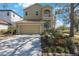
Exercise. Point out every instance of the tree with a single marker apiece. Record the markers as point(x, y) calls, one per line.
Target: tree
point(70, 9)
point(67, 12)
point(72, 20)
point(76, 17)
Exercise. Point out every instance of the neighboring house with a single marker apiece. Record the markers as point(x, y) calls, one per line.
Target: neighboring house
point(9, 15)
point(3, 25)
point(37, 19)
point(77, 21)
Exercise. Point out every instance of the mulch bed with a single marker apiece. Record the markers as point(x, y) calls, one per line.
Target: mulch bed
point(57, 54)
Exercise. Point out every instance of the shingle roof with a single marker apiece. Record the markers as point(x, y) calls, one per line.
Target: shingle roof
point(42, 5)
point(3, 22)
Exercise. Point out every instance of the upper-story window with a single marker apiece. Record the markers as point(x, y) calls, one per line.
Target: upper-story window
point(8, 13)
point(47, 13)
point(13, 15)
point(37, 12)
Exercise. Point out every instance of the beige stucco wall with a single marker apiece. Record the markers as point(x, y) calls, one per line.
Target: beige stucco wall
point(3, 27)
point(30, 27)
point(31, 12)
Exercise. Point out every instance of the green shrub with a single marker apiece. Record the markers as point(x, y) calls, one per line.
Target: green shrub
point(53, 33)
point(66, 50)
point(3, 31)
point(11, 30)
point(43, 33)
point(53, 49)
point(62, 27)
point(60, 49)
point(55, 38)
point(49, 50)
point(57, 33)
point(45, 49)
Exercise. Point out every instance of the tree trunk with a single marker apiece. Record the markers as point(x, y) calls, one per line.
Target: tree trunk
point(73, 46)
point(77, 27)
point(72, 20)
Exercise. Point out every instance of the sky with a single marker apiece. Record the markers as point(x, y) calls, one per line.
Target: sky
point(18, 8)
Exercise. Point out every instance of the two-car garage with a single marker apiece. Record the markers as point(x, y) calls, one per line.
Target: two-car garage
point(29, 27)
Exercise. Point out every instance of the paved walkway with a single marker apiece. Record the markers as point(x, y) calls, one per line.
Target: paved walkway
point(21, 45)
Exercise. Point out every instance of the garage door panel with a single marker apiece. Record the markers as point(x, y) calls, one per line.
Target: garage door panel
point(28, 28)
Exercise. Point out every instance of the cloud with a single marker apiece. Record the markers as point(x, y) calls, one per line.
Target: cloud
point(20, 3)
point(27, 4)
point(58, 23)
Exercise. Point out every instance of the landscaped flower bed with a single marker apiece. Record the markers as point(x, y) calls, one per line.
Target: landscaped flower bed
point(55, 43)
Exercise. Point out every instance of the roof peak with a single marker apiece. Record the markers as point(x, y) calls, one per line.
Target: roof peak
point(40, 4)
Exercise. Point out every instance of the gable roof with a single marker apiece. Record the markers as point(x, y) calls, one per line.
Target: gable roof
point(4, 22)
point(33, 5)
point(40, 4)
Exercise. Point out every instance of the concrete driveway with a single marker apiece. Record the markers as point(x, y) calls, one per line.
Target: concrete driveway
point(21, 45)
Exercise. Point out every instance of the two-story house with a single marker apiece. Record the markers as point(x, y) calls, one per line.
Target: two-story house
point(37, 19)
point(8, 15)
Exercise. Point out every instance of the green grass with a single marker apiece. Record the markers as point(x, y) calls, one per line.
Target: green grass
point(76, 39)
